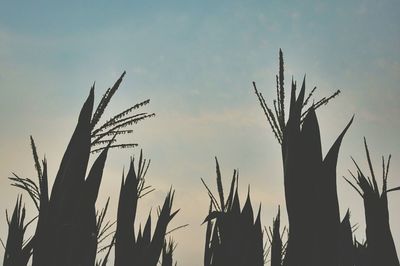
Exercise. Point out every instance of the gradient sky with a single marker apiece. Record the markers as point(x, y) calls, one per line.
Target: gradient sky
point(196, 60)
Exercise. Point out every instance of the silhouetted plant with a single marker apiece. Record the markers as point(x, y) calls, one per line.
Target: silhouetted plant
point(17, 251)
point(68, 229)
point(276, 117)
point(233, 237)
point(361, 254)
point(347, 252)
point(103, 228)
point(167, 253)
point(140, 248)
point(380, 248)
point(309, 179)
point(104, 260)
point(277, 247)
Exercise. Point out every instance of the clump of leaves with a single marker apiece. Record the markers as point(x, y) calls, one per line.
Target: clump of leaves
point(167, 253)
point(69, 230)
point(143, 247)
point(277, 248)
point(380, 245)
point(233, 237)
point(17, 251)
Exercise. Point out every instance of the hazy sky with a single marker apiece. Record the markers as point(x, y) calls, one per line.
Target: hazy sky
point(196, 60)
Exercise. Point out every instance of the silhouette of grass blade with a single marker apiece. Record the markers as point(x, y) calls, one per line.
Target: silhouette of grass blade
point(167, 253)
point(15, 252)
point(71, 173)
point(379, 248)
point(219, 185)
point(276, 242)
point(347, 250)
point(161, 228)
point(127, 206)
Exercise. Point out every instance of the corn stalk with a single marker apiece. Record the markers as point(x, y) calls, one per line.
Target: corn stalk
point(17, 251)
point(309, 179)
point(69, 229)
point(233, 237)
point(380, 248)
point(142, 247)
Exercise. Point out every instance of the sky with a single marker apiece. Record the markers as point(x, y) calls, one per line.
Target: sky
point(195, 61)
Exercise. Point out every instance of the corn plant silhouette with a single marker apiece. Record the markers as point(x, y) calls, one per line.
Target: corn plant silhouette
point(347, 250)
point(277, 248)
point(16, 251)
point(67, 217)
point(379, 247)
point(167, 253)
point(309, 179)
point(233, 237)
point(144, 249)
point(69, 230)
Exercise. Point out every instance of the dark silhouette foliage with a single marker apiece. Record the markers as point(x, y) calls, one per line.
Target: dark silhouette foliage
point(71, 232)
point(17, 252)
point(379, 247)
point(309, 179)
point(233, 237)
point(69, 229)
point(347, 250)
point(317, 236)
point(142, 248)
point(277, 248)
point(167, 253)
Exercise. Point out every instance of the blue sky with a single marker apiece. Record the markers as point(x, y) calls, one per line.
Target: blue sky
point(196, 60)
